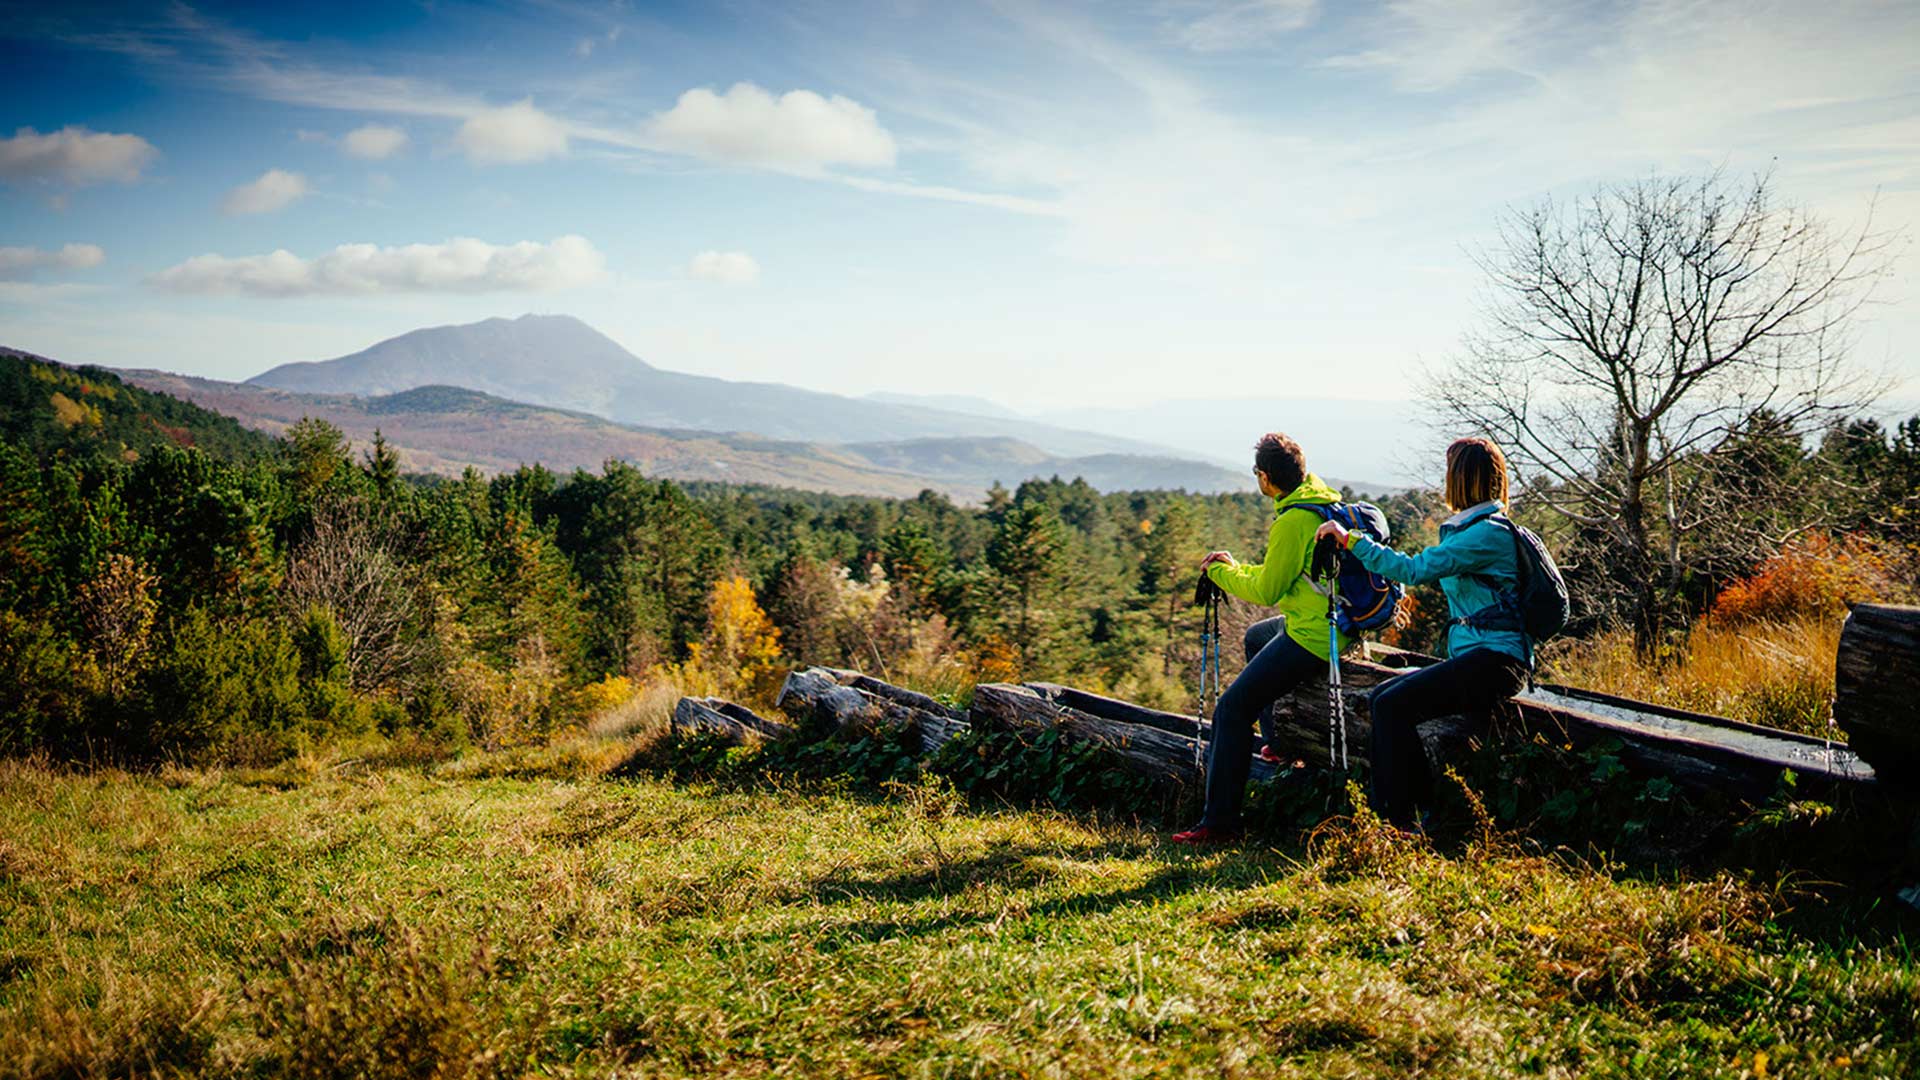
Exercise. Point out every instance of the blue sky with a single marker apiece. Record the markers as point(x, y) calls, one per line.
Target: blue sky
point(1050, 205)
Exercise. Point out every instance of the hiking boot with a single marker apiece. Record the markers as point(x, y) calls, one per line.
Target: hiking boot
point(1268, 755)
point(1206, 834)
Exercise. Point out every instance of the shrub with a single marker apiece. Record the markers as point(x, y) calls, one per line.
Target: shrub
point(1817, 574)
point(326, 693)
point(40, 705)
point(226, 690)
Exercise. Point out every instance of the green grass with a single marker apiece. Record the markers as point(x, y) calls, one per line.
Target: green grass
point(340, 919)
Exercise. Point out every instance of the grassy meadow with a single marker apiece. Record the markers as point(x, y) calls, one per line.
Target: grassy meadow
point(553, 912)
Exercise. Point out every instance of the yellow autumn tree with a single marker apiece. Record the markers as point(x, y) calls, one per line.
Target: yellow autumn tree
point(740, 653)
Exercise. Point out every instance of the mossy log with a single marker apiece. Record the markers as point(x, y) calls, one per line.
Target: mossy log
point(1876, 689)
point(736, 723)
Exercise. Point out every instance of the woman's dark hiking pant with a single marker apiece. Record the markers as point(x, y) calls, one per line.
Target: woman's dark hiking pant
point(1471, 685)
point(1275, 665)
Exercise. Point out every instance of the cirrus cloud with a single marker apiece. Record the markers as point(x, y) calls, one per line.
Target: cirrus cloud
point(74, 155)
point(19, 263)
point(798, 131)
point(276, 189)
point(1243, 24)
point(725, 267)
point(461, 265)
point(511, 135)
point(373, 142)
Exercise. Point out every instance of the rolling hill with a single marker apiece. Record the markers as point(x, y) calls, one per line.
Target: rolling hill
point(560, 362)
point(48, 406)
point(445, 429)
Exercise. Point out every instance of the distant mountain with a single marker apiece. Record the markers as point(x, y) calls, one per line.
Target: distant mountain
point(960, 403)
point(561, 362)
point(49, 406)
point(445, 429)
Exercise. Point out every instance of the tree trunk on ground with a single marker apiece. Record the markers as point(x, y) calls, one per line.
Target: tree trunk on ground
point(1875, 682)
point(736, 723)
point(833, 699)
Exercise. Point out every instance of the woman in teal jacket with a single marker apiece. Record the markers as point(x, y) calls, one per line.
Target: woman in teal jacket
point(1475, 564)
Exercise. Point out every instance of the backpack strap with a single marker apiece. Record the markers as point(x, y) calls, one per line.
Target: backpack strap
point(1504, 614)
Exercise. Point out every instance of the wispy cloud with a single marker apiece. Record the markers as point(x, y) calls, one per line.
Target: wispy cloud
point(798, 131)
point(724, 267)
point(1232, 25)
point(461, 265)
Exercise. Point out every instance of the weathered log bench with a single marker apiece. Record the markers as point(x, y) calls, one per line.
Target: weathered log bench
point(1876, 689)
point(1695, 751)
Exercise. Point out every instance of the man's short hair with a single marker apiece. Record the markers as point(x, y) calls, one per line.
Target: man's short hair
point(1281, 459)
point(1476, 472)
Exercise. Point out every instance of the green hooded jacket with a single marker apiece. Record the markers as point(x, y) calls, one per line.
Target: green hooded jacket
point(1280, 580)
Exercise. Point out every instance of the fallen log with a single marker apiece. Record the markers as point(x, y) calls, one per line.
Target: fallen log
point(833, 699)
point(1115, 709)
point(1007, 707)
point(1875, 678)
point(735, 723)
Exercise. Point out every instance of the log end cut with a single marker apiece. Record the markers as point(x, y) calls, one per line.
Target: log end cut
point(1875, 678)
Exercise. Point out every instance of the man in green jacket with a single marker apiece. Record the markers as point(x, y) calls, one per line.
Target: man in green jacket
point(1282, 652)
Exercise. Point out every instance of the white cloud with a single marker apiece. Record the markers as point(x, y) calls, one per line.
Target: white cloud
point(276, 189)
point(798, 131)
point(1242, 24)
point(725, 267)
point(374, 142)
point(584, 47)
point(74, 155)
point(460, 265)
point(18, 263)
point(512, 135)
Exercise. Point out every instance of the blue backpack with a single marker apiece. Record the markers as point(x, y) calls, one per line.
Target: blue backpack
point(1367, 600)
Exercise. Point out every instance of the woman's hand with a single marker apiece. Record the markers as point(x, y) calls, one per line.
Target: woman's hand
point(1335, 530)
point(1216, 557)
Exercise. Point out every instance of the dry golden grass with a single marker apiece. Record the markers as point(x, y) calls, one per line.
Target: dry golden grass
point(403, 924)
point(1779, 674)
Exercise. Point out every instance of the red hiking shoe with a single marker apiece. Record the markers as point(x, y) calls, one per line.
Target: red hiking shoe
point(1206, 834)
point(1267, 755)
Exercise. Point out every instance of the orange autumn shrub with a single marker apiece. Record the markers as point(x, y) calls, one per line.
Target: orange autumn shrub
point(1817, 574)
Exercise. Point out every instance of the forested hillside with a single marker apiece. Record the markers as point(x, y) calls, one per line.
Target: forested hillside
point(171, 586)
point(50, 408)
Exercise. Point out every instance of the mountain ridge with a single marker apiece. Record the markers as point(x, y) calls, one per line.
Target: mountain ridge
point(444, 429)
point(561, 362)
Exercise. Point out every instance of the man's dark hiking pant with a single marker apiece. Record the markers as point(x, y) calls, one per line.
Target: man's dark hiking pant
point(1275, 665)
point(1470, 685)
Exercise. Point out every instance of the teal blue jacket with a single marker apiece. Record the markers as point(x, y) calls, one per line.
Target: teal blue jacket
point(1473, 559)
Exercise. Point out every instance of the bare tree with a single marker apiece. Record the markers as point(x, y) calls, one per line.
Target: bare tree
point(1633, 342)
point(351, 565)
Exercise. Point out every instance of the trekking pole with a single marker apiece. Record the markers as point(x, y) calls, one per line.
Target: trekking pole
point(1326, 566)
point(1336, 704)
point(1207, 594)
point(1200, 721)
